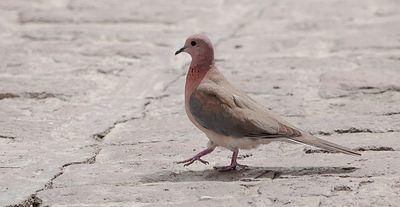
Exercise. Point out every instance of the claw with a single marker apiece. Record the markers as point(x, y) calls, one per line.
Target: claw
point(203, 161)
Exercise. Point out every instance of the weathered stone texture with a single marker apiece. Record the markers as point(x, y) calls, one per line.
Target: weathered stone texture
point(91, 101)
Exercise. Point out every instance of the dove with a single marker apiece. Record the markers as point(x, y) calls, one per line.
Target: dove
point(230, 118)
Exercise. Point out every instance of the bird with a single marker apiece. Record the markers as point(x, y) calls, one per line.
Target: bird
point(229, 117)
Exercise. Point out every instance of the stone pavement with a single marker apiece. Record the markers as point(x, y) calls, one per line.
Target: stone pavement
point(91, 101)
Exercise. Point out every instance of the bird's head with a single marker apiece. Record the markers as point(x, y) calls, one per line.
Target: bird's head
point(199, 47)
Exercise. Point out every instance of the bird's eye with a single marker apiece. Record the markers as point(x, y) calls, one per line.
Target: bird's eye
point(193, 43)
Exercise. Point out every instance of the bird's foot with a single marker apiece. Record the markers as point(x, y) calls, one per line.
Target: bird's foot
point(192, 160)
point(198, 157)
point(230, 167)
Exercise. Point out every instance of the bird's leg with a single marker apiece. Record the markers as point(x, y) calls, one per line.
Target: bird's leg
point(233, 165)
point(198, 157)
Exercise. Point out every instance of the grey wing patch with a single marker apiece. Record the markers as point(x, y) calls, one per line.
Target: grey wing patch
point(213, 115)
point(231, 116)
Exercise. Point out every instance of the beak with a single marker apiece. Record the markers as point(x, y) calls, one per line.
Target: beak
point(180, 50)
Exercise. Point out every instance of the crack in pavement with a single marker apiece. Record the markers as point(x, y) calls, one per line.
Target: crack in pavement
point(157, 97)
point(7, 137)
point(359, 149)
point(354, 130)
point(391, 113)
point(90, 160)
point(34, 201)
point(362, 91)
point(34, 95)
point(101, 135)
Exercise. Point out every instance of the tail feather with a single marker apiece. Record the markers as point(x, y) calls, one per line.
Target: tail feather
point(323, 144)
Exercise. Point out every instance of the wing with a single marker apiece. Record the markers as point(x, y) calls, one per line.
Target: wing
point(230, 113)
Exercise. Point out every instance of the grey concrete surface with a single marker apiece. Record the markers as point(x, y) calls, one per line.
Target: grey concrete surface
point(91, 101)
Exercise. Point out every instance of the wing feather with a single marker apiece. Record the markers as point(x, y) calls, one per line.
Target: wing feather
point(232, 114)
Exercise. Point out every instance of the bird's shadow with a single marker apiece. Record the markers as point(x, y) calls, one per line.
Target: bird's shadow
point(247, 174)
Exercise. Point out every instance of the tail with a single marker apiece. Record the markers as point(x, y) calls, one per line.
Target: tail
point(323, 144)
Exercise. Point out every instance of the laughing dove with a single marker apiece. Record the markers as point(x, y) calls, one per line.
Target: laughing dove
point(229, 117)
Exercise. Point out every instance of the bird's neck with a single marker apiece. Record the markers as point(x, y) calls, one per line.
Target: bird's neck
point(195, 75)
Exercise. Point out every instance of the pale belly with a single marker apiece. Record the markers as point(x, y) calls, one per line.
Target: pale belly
point(235, 142)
